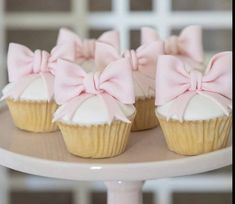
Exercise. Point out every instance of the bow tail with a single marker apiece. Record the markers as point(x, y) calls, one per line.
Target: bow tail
point(70, 108)
point(19, 87)
point(224, 103)
point(48, 80)
point(113, 109)
point(179, 105)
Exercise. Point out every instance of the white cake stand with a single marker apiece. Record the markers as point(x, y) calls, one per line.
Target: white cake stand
point(147, 157)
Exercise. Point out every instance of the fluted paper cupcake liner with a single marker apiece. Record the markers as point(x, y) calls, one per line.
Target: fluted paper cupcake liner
point(33, 116)
point(196, 137)
point(145, 115)
point(96, 141)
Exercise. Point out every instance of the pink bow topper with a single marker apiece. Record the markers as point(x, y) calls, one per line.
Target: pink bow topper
point(85, 48)
point(24, 66)
point(73, 86)
point(144, 58)
point(143, 61)
point(105, 54)
point(188, 43)
point(174, 83)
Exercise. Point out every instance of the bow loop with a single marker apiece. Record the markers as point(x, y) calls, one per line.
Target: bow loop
point(218, 75)
point(190, 43)
point(149, 35)
point(116, 80)
point(19, 61)
point(104, 55)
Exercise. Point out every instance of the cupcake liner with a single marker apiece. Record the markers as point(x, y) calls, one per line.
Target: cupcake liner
point(196, 137)
point(145, 115)
point(96, 141)
point(33, 116)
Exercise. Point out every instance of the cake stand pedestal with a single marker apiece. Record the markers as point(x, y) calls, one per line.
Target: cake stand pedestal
point(146, 157)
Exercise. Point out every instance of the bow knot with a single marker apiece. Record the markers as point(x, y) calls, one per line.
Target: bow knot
point(134, 59)
point(40, 61)
point(133, 56)
point(88, 48)
point(172, 45)
point(196, 80)
point(91, 83)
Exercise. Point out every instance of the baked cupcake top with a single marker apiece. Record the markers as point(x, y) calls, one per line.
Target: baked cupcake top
point(85, 48)
point(187, 46)
point(143, 61)
point(31, 74)
point(194, 95)
point(95, 97)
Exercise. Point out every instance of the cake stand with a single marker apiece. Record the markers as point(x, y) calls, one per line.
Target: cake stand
point(147, 157)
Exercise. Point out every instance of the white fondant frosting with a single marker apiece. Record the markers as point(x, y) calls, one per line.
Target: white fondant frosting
point(199, 108)
point(94, 112)
point(34, 91)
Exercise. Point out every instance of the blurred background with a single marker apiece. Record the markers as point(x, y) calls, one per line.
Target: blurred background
point(35, 23)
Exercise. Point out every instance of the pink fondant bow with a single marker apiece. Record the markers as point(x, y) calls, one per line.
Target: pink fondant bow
point(143, 61)
point(85, 48)
point(73, 86)
point(24, 66)
point(174, 83)
point(188, 43)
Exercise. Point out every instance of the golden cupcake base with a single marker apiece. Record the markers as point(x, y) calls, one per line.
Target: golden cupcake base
point(96, 141)
point(196, 137)
point(33, 116)
point(145, 115)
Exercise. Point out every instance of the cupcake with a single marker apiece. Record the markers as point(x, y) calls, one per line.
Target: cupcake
point(96, 108)
point(195, 108)
point(30, 93)
point(143, 61)
point(187, 46)
point(85, 48)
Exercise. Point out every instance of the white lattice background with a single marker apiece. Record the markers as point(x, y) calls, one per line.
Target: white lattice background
point(162, 17)
point(81, 20)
